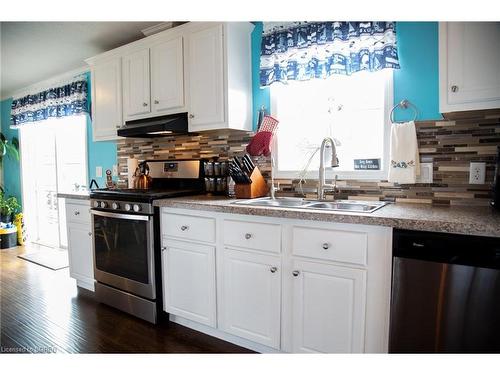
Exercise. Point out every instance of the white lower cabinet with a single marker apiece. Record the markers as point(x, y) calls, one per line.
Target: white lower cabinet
point(188, 275)
point(251, 296)
point(279, 285)
point(328, 308)
point(80, 254)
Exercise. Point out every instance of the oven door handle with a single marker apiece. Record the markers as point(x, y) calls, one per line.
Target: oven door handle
point(120, 216)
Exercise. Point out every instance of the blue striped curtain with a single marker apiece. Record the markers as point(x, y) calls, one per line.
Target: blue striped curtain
point(67, 100)
point(300, 51)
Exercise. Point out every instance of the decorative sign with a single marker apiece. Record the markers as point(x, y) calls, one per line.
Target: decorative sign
point(367, 164)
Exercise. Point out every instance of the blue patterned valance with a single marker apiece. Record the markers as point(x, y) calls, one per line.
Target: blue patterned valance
point(305, 50)
point(66, 100)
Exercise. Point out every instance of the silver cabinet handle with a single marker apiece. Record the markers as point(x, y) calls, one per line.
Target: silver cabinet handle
point(296, 273)
point(157, 102)
point(273, 269)
point(326, 246)
point(77, 213)
point(184, 228)
point(416, 244)
point(144, 104)
point(191, 115)
point(248, 236)
point(454, 88)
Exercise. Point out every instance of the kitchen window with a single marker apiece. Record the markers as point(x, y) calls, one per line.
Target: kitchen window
point(353, 110)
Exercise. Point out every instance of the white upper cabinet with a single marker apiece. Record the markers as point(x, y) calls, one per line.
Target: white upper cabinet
point(136, 84)
point(106, 99)
point(167, 76)
point(206, 78)
point(219, 76)
point(469, 73)
point(202, 68)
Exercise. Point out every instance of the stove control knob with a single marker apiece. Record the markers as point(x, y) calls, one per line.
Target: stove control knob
point(137, 207)
point(96, 204)
point(128, 207)
point(104, 205)
point(115, 206)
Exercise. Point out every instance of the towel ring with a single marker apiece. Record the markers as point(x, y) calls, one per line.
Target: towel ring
point(404, 104)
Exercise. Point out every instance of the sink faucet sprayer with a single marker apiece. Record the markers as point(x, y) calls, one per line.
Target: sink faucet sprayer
point(322, 185)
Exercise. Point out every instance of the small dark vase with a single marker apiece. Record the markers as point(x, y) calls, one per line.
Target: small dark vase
point(6, 218)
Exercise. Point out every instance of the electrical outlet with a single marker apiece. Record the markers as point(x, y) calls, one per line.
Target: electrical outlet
point(98, 172)
point(477, 173)
point(115, 170)
point(426, 172)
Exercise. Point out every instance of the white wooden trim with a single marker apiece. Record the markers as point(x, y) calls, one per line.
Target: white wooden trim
point(352, 175)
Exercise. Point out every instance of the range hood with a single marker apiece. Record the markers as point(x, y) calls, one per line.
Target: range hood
point(160, 126)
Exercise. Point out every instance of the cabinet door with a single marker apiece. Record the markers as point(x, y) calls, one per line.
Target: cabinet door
point(167, 75)
point(206, 78)
point(81, 260)
point(470, 77)
point(136, 91)
point(328, 308)
point(106, 99)
point(188, 275)
point(251, 296)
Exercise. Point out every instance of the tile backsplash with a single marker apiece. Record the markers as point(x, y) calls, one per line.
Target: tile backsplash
point(450, 144)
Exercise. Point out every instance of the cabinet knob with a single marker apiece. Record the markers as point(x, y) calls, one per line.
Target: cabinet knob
point(326, 246)
point(296, 273)
point(77, 213)
point(184, 228)
point(144, 104)
point(157, 102)
point(248, 236)
point(273, 269)
point(191, 115)
point(163, 248)
point(90, 234)
point(454, 88)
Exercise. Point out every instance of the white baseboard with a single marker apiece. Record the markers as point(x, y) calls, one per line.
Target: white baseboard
point(85, 285)
point(222, 335)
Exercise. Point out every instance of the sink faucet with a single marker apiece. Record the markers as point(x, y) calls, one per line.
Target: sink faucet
point(322, 185)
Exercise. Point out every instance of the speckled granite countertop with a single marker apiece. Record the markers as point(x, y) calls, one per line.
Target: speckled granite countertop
point(450, 219)
point(76, 195)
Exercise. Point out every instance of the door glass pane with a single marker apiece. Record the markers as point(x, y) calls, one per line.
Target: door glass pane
point(121, 247)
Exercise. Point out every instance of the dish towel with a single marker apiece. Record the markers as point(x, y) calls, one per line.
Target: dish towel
point(404, 158)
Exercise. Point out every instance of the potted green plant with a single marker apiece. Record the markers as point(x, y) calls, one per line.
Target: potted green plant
point(8, 207)
point(8, 149)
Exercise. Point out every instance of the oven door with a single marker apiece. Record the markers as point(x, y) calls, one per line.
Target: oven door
point(123, 252)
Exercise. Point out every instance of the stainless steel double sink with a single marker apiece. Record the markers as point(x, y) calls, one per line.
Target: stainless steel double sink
point(300, 203)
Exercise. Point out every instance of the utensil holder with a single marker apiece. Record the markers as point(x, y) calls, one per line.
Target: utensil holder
point(258, 188)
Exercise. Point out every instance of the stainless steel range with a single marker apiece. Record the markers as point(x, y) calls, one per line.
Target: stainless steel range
point(126, 237)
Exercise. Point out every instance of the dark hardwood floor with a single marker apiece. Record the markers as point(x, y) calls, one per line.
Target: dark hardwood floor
point(43, 311)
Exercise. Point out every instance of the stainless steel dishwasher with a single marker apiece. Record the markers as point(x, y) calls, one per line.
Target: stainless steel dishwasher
point(445, 293)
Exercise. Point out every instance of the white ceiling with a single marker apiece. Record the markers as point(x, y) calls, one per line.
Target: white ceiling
point(35, 51)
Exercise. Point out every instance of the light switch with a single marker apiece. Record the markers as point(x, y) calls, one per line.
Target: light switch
point(115, 170)
point(98, 172)
point(426, 171)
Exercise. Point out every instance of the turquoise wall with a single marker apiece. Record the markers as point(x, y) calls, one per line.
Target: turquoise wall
point(417, 80)
point(10, 168)
point(99, 153)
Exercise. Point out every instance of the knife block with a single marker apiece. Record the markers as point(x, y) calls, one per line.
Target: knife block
point(258, 188)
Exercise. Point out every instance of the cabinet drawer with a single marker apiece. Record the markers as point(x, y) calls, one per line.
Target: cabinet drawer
point(78, 213)
point(335, 245)
point(188, 227)
point(250, 235)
